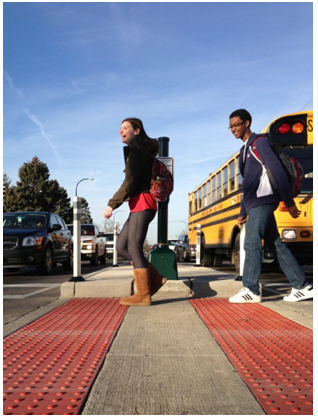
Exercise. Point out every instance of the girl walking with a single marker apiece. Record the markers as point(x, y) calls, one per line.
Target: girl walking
point(139, 153)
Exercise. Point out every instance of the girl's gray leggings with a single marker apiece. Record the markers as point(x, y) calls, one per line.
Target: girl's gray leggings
point(131, 239)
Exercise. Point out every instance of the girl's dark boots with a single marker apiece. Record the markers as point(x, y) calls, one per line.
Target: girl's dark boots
point(143, 296)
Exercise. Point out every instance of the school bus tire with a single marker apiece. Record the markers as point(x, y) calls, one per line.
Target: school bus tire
point(206, 254)
point(217, 260)
point(236, 253)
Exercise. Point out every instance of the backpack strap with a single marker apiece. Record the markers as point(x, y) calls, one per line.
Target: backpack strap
point(269, 174)
point(255, 152)
point(253, 145)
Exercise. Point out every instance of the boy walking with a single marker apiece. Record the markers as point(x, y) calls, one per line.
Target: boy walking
point(257, 210)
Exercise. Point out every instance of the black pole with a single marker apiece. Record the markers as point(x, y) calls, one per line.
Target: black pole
point(163, 206)
point(163, 258)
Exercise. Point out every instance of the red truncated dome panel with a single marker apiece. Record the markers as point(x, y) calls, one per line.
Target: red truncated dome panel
point(50, 364)
point(273, 355)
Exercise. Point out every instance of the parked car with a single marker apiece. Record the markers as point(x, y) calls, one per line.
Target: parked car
point(171, 244)
point(184, 250)
point(39, 239)
point(109, 237)
point(93, 244)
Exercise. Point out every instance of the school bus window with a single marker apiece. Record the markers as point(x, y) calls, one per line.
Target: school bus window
point(208, 192)
point(195, 201)
point(200, 198)
point(219, 186)
point(213, 189)
point(190, 207)
point(232, 176)
point(239, 179)
point(204, 196)
point(225, 181)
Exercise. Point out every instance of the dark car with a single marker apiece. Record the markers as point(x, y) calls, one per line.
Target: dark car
point(184, 250)
point(39, 239)
point(171, 244)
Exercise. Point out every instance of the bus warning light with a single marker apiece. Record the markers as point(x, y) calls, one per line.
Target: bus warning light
point(298, 128)
point(284, 128)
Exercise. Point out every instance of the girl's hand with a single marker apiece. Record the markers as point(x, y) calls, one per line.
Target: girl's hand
point(108, 212)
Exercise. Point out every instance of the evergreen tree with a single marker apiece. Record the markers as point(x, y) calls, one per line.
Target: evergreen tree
point(7, 192)
point(6, 182)
point(108, 226)
point(35, 192)
point(86, 213)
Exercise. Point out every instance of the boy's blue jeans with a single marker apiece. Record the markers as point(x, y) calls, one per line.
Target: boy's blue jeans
point(261, 224)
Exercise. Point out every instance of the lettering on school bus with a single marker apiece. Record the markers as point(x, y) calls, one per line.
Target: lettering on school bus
point(310, 125)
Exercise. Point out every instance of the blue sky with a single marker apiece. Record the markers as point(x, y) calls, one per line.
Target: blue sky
point(73, 71)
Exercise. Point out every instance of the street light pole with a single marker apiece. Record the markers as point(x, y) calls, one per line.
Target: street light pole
point(77, 212)
point(86, 178)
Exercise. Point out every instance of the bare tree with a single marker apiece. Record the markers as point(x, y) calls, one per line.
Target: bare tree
point(108, 226)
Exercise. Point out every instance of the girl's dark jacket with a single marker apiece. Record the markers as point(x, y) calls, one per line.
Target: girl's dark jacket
point(138, 171)
point(257, 189)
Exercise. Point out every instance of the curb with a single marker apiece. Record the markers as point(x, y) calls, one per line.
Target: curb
point(112, 288)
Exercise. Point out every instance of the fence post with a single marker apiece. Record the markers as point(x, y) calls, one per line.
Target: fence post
point(198, 249)
point(115, 261)
point(242, 253)
point(77, 212)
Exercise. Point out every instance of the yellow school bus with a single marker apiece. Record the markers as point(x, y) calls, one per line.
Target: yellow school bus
point(215, 203)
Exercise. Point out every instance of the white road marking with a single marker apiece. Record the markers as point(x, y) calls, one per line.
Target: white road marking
point(46, 287)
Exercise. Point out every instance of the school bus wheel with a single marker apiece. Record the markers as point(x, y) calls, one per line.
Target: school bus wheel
point(217, 260)
point(236, 253)
point(206, 254)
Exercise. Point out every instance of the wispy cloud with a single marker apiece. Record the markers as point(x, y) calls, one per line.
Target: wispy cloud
point(9, 82)
point(39, 124)
point(22, 98)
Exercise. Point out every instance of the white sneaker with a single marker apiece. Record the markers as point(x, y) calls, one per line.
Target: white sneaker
point(299, 295)
point(245, 296)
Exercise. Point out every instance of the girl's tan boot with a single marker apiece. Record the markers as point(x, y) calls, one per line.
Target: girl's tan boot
point(143, 297)
point(156, 279)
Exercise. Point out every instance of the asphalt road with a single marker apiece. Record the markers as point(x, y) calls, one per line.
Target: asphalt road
point(27, 290)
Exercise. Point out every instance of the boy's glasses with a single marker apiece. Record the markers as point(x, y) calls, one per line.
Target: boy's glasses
point(236, 125)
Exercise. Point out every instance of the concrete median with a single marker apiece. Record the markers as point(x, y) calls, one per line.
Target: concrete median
point(119, 282)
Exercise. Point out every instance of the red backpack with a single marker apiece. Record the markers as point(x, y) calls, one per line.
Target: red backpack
point(161, 185)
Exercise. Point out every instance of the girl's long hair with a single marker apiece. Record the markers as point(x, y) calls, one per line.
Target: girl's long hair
point(142, 141)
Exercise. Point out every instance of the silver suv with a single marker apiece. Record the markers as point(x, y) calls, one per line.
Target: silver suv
point(109, 237)
point(93, 244)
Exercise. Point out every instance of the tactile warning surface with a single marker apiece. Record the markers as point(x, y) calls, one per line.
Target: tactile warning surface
point(272, 354)
point(50, 364)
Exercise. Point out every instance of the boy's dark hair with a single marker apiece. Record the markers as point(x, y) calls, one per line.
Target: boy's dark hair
point(243, 114)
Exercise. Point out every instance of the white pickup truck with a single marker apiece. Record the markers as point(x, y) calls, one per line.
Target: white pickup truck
point(93, 244)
